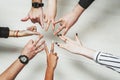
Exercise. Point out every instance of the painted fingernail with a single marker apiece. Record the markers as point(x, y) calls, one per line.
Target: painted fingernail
point(57, 43)
point(60, 35)
point(76, 34)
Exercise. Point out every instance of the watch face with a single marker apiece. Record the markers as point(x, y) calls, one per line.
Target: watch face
point(24, 59)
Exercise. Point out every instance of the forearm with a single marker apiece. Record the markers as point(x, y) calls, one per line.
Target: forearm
point(52, 5)
point(12, 71)
point(89, 53)
point(78, 10)
point(49, 73)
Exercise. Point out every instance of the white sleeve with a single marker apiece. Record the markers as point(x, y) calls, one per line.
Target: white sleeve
point(108, 60)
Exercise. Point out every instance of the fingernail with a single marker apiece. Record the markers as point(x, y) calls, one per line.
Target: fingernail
point(60, 35)
point(76, 34)
point(57, 43)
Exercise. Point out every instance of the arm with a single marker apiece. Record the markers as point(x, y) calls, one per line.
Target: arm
point(21, 33)
point(36, 13)
point(51, 63)
point(50, 14)
point(12, 71)
point(67, 21)
point(30, 50)
point(76, 47)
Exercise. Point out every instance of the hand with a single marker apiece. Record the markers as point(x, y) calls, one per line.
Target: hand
point(30, 31)
point(35, 15)
point(69, 20)
point(33, 47)
point(51, 57)
point(50, 14)
point(66, 23)
point(74, 46)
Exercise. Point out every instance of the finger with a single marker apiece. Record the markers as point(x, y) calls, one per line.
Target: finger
point(30, 42)
point(77, 39)
point(25, 19)
point(48, 24)
point(35, 33)
point(60, 20)
point(59, 29)
point(39, 50)
point(65, 31)
point(60, 45)
point(40, 44)
point(63, 37)
point(53, 25)
point(46, 49)
point(52, 48)
point(39, 38)
point(45, 19)
point(32, 28)
point(41, 22)
point(55, 54)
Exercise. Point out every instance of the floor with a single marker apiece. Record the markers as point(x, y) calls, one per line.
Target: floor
point(98, 28)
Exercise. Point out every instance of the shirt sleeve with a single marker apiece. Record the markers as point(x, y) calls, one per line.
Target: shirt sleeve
point(108, 60)
point(85, 3)
point(4, 32)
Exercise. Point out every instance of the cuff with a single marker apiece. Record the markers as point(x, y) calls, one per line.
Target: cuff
point(85, 3)
point(4, 32)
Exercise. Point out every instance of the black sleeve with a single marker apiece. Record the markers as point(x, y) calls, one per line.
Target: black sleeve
point(85, 3)
point(4, 32)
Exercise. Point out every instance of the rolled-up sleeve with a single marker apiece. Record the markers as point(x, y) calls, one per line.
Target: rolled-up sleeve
point(4, 32)
point(85, 3)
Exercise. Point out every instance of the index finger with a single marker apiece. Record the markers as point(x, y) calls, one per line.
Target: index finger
point(39, 38)
point(60, 20)
point(46, 49)
point(52, 47)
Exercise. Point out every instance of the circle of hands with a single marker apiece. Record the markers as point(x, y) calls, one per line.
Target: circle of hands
point(47, 18)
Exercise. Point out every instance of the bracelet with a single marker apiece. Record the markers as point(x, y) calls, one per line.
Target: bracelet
point(17, 33)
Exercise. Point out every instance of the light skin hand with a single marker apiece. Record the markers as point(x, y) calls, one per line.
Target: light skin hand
point(75, 46)
point(33, 47)
point(35, 15)
point(50, 14)
point(67, 21)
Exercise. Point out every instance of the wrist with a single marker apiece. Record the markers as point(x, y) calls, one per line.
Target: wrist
point(78, 10)
point(39, 1)
point(50, 68)
point(89, 53)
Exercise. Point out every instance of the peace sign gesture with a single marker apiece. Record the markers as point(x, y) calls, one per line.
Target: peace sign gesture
point(51, 57)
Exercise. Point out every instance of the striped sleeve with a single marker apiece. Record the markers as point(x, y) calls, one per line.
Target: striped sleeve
point(108, 60)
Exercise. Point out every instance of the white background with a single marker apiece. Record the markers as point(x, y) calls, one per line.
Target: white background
point(98, 28)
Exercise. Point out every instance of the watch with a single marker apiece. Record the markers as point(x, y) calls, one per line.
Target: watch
point(37, 4)
point(23, 59)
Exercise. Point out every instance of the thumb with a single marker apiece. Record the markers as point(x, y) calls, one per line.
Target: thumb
point(25, 19)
